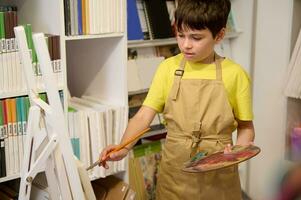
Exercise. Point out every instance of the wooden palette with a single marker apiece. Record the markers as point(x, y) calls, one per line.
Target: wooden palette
point(220, 160)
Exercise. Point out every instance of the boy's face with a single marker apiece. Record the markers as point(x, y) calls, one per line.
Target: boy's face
point(197, 45)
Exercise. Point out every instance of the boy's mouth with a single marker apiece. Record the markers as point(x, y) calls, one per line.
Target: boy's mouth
point(188, 54)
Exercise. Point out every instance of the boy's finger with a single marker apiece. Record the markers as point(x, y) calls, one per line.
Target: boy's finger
point(106, 166)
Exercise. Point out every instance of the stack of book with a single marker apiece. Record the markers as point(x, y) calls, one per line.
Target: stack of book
point(12, 78)
point(94, 124)
point(149, 19)
point(13, 121)
point(83, 17)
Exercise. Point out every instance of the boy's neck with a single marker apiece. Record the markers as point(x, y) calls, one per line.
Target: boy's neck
point(210, 59)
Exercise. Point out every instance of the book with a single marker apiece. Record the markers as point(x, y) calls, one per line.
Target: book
point(203, 163)
point(149, 157)
point(231, 26)
point(158, 17)
point(134, 29)
point(141, 72)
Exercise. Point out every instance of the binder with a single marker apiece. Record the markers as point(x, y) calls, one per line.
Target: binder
point(158, 18)
point(134, 29)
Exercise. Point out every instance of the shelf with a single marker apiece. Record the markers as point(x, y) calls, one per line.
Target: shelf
point(23, 93)
point(167, 41)
point(85, 37)
point(233, 35)
point(151, 43)
point(10, 177)
point(137, 92)
point(154, 132)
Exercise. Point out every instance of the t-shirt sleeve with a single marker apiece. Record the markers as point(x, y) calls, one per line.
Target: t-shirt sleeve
point(156, 95)
point(243, 108)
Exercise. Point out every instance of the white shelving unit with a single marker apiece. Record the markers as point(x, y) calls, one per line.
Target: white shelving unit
point(92, 64)
point(23, 93)
point(167, 41)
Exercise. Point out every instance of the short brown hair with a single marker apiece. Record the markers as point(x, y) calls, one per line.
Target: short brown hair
point(202, 14)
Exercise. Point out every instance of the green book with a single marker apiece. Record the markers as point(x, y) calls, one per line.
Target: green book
point(28, 32)
point(27, 106)
point(2, 33)
point(147, 148)
point(19, 115)
point(43, 96)
point(2, 29)
point(1, 121)
point(23, 115)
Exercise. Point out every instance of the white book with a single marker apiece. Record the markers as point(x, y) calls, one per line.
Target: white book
point(7, 158)
point(106, 118)
point(146, 70)
point(19, 82)
point(119, 125)
point(107, 17)
point(14, 66)
point(72, 16)
point(75, 17)
point(16, 148)
point(93, 172)
point(96, 132)
point(142, 17)
point(132, 76)
point(2, 75)
point(5, 72)
point(123, 15)
point(108, 115)
point(84, 138)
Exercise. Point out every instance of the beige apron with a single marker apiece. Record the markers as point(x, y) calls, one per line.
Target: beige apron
point(199, 118)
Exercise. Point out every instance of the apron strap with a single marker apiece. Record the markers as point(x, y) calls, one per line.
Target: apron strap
point(218, 69)
point(177, 80)
point(180, 71)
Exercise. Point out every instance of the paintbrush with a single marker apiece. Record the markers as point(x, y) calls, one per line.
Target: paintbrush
point(118, 148)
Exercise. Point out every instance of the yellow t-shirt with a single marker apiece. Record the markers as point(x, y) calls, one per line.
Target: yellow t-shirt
point(236, 81)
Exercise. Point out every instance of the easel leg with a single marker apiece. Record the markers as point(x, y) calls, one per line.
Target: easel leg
point(52, 179)
point(25, 186)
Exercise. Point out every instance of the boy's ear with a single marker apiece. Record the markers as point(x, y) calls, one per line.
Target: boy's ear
point(220, 36)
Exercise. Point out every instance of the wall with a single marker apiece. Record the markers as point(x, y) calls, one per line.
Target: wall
point(271, 57)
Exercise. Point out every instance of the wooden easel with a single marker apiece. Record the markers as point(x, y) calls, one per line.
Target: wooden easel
point(46, 123)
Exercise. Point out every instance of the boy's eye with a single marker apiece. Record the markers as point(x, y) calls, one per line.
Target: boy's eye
point(180, 35)
point(197, 38)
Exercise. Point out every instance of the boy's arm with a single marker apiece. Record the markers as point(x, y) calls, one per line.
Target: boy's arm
point(245, 132)
point(141, 120)
point(138, 123)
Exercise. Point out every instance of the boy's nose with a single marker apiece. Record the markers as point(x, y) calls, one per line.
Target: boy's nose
point(187, 44)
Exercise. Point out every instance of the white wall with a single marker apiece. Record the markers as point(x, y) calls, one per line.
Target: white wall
point(241, 46)
point(272, 50)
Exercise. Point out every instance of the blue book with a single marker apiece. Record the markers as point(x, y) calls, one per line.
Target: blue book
point(134, 29)
point(79, 17)
point(76, 147)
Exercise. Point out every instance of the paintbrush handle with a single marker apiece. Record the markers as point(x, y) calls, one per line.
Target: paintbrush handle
point(119, 147)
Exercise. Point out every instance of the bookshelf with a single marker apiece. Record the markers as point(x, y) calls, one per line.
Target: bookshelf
point(92, 64)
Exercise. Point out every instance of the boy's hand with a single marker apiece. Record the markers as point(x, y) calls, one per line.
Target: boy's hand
point(228, 148)
point(113, 156)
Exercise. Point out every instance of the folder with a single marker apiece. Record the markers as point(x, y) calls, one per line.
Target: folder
point(134, 29)
point(158, 17)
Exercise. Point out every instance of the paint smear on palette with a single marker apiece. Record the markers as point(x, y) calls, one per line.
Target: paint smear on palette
point(220, 160)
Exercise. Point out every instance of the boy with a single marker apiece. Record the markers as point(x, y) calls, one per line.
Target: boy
point(204, 98)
